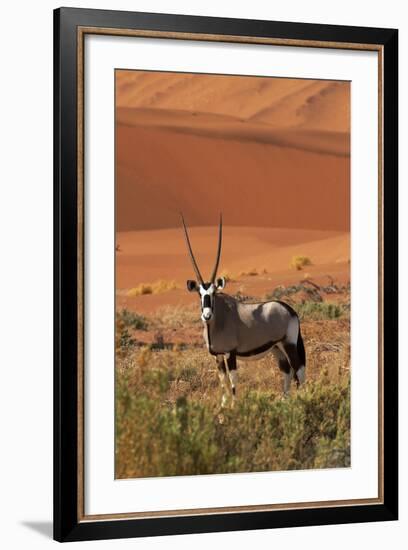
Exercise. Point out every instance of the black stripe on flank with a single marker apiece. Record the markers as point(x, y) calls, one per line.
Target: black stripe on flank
point(256, 351)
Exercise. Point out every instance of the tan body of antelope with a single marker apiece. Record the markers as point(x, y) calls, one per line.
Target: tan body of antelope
point(246, 331)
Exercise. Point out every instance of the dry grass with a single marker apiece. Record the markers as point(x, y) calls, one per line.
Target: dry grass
point(152, 288)
point(228, 276)
point(299, 262)
point(254, 272)
point(176, 317)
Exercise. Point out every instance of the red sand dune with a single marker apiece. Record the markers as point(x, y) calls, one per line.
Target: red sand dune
point(269, 152)
point(160, 173)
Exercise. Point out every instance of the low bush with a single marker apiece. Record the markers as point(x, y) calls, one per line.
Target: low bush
point(299, 262)
point(254, 272)
point(152, 288)
point(132, 320)
point(264, 432)
point(124, 342)
point(321, 310)
point(281, 291)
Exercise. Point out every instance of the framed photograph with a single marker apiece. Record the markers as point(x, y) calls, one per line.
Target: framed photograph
point(225, 274)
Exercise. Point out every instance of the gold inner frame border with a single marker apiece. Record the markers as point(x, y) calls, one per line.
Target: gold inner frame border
point(81, 33)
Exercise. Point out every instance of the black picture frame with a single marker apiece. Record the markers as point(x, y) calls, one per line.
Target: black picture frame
point(67, 525)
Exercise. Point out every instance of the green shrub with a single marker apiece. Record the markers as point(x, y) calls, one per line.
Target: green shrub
point(287, 291)
point(264, 432)
point(132, 320)
point(321, 310)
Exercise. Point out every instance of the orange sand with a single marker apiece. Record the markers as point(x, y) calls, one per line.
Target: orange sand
point(148, 256)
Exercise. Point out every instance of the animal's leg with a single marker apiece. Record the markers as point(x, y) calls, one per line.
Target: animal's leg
point(295, 361)
point(232, 374)
point(301, 375)
point(292, 346)
point(222, 375)
point(284, 366)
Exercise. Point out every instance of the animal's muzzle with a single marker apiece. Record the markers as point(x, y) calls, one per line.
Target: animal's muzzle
point(206, 311)
point(207, 314)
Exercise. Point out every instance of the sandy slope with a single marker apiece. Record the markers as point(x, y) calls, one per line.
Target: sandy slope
point(160, 172)
point(147, 256)
point(232, 128)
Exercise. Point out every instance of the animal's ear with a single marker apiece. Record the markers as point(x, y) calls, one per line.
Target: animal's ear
point(191, 285)
point(221, 282)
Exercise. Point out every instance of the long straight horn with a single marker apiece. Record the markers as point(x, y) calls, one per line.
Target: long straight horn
point(197, 271)
point(217, 261)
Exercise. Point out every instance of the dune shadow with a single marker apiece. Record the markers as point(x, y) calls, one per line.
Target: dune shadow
point(44, 528)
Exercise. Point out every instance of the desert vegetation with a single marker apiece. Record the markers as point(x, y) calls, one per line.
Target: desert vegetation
point(152, 288)
point(168, 415)
point(299, 262)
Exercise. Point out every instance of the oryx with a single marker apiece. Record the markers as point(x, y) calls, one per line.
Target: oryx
point(248, 331)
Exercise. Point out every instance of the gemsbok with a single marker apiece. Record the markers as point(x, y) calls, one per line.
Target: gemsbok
point(246, 331)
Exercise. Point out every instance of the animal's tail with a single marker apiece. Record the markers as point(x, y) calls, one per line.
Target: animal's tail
point(301, 349)
point(301, 353)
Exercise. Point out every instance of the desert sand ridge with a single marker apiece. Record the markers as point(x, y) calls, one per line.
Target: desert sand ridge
point(228, 127)
point(279, 102)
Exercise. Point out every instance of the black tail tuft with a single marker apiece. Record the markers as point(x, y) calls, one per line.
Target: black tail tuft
point(301, 349)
